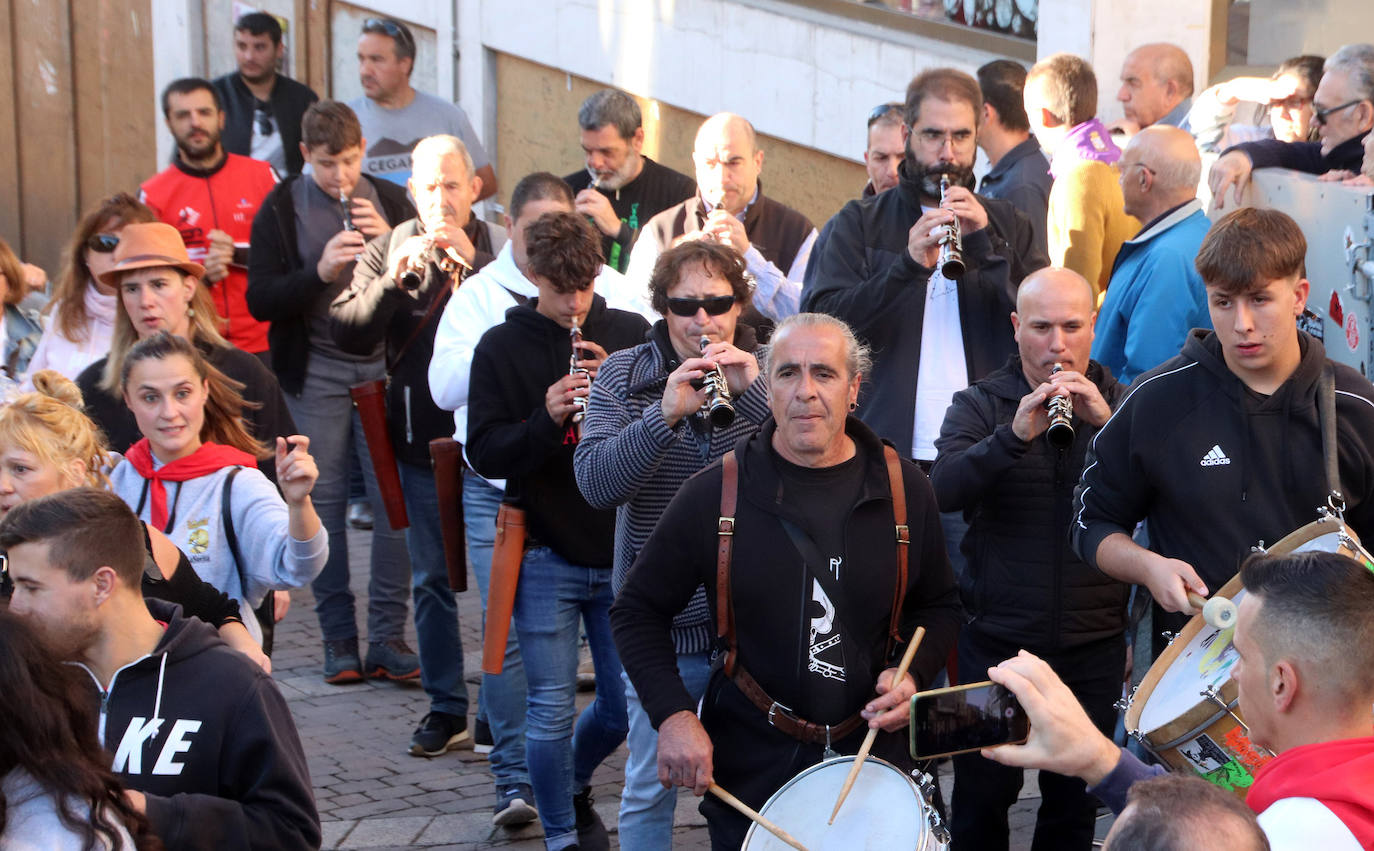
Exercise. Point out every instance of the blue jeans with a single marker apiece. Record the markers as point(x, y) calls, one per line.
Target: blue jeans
point(324, 413)
point(553, 596)
point(436, 610)
point(646, 808)
point(501, 699)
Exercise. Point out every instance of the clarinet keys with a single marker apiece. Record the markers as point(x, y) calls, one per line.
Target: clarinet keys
point(1060, 432)
point(951, 263)
point(718, 407)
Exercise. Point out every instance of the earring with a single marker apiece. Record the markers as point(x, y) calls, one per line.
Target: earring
point(190, 313)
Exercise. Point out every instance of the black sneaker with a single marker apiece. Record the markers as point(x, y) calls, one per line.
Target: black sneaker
point(482, 742)
point(591, 833)
point(514, 806)
point(341, 664)
point(439, 733)
point(391, 660)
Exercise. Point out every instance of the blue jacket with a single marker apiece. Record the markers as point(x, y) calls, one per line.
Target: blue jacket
point(1155, 296)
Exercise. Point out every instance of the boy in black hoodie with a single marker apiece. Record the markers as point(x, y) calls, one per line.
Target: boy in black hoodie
point(1221, 447)
point(196, 728)
point(521, 427)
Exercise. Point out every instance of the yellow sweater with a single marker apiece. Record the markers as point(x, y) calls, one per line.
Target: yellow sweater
point(1087, 221)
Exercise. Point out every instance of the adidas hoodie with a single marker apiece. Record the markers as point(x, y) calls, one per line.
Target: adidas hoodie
point(205, 734)
point(1217, 468)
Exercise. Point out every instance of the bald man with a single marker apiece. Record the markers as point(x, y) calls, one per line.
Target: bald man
point(1024, 587)
point(730, 208)
point(1156, 295)
point(1156, 88)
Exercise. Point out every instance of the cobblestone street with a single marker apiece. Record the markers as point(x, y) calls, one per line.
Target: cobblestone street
point(373, 795)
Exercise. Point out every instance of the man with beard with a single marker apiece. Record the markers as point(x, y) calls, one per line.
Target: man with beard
point(263, 109)
point(621, 189)
point(211, 196)
point(200, 735)
point(730, 208)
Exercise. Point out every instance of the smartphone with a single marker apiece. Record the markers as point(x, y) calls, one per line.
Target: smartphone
point(961, 719)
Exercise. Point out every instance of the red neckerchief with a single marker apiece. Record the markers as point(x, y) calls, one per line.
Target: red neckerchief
point(209, 458)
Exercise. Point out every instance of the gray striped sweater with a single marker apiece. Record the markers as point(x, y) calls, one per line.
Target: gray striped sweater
point(630, 460)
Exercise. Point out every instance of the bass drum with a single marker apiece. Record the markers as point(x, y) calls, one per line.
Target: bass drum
point(885, 810)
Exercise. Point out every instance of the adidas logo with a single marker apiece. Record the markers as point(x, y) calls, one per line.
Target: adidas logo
point(1215, 457)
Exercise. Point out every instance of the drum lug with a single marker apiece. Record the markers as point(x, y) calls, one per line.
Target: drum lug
point(1259, 548)
point(938, 831)
point(1138, 735)
point(1169, 637)
point(1122, 704)
point(924, 782)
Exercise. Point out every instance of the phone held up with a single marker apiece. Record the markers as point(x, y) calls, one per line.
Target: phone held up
point(960, 719)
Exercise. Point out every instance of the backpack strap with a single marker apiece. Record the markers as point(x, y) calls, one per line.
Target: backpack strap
point(725, 545)
point(894, 479)
point(226, 511)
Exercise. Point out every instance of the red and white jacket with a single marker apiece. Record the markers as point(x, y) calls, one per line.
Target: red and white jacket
point(1318, 797)
point(226, 197)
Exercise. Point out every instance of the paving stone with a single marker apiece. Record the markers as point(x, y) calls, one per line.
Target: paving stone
point(392, 830)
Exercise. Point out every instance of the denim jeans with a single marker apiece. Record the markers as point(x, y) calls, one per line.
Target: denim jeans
point(436, 610)
point(324, 413)
point(646, 808)
point(553, 596)
point(501, 699)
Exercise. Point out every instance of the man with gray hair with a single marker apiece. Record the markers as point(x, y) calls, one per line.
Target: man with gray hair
point(1343, 111)
point(1156, 295)
point(1156, 88)
point(886, 144)
point(621, 189)
point(818, 597)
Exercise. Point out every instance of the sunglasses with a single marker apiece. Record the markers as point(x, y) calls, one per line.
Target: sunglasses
point(1319, 116)
point(102, 243)
point(389, 27)
point(713, 305)
point(264, 119)
point(882, 109)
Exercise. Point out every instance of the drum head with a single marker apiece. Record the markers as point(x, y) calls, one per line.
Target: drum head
point(1204, 661)
point(884, 810)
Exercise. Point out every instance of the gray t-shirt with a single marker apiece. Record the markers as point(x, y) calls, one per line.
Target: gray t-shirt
point(318, 218)
point(392, 134)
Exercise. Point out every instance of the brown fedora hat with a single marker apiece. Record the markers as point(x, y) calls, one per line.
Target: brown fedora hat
point(146, 245)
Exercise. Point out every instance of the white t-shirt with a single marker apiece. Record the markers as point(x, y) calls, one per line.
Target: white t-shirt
point(943, 369)
point(267, 147)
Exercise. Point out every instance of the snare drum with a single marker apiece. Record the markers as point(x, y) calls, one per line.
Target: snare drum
point(885, 809)
point(1186, 712)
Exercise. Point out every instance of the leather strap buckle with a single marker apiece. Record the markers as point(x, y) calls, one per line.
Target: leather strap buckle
point(786, 712)
point(725, 526)
point(903, 534)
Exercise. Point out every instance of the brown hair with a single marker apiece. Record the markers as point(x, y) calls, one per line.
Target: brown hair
point(1249, 247)
point(1070, 87)
point(224, 404)
point(563, 248)
point(205, 323)
point(68, 302)
point(331, 124)
point(718, 260)
point(50, 734)
point(13, 270)
point(1170, 812)
point(947, 84)
point(85, 529)
point(49, 424)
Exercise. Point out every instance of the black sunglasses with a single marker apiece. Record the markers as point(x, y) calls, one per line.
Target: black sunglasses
point(880, 110)
point(264, 118)
point(102, 243)
point(389, 27)
point(713, 305)
point(1319, 116)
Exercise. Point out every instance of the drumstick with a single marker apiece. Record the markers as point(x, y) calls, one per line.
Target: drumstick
point(1218, 612)
point(753, 815)
point(873, 731)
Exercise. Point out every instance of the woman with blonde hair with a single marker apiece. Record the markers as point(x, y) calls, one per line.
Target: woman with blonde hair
point(47, 445)
point(193, 475)
point(81, 313)
point(159, 289)
point(20, 330)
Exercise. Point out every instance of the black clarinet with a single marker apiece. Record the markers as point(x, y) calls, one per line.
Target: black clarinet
point(1060, 432)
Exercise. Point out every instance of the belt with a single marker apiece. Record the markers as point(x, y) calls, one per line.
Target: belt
point(924, 465)
point(785, 721)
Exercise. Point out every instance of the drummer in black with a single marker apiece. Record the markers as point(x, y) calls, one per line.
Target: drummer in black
point(818, 600)
point(1222, 447)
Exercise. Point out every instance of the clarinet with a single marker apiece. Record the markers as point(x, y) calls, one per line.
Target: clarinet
point(575, 334)
point(951, 263)
point(718, 407)
point(1060, 432)
point(446, 258)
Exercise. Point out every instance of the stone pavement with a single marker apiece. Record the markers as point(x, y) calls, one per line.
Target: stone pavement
point(372, 794)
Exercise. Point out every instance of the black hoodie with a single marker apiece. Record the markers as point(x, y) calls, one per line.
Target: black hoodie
point(511, 435)
point(1216, 468)
point(205, 734)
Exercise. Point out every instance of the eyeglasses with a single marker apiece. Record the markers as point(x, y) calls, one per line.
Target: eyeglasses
point(1319, 116)
point(261, 110)
point(102, 243)
point(713, 305)
point(391, 28)
point(935, 139)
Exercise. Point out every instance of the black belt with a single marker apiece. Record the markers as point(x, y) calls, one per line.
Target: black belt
point(924, 465)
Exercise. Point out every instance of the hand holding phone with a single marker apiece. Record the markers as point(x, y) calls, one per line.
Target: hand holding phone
point(961, 719)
